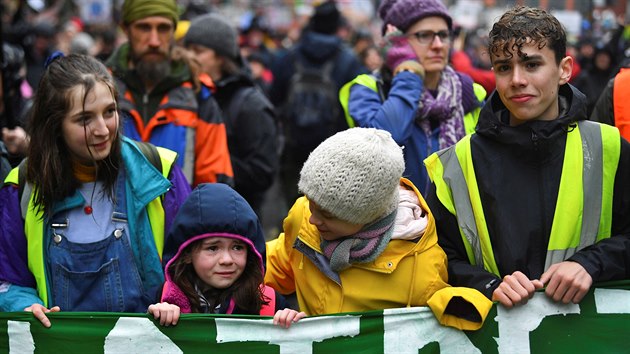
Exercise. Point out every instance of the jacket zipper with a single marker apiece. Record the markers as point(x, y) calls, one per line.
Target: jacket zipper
point(541, 201)
point(145, 101)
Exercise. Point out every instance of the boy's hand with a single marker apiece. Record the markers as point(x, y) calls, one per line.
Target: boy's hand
point(284, 318)
point(39, 311)
point(567, 282)
point(516, 289)
point(167, 313)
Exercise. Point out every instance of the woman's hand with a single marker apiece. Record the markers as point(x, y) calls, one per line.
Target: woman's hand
point(40, 311)
point(410, 65)
point(398, 53)
point(167, 313)
point(284, 318)
point(16, 140)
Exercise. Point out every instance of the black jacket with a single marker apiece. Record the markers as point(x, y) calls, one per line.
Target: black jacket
point(518, 170)
point(252, 136)
point(603, 111)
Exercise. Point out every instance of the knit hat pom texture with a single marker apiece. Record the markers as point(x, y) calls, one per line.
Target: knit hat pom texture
point(354, 175)
point(404, 13)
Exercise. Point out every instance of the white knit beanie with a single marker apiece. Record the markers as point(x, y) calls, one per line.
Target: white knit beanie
point(354, 175)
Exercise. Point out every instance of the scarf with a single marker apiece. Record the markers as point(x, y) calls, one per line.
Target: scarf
point(446, 108)
point(83, 173)
point(362, 247)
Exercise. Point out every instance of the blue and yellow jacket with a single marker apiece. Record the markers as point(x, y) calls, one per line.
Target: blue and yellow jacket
point(23, 241)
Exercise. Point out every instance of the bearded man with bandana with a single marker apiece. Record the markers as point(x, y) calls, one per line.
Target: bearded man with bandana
point(163, 95)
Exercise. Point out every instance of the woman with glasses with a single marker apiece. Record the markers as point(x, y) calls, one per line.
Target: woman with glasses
point(416, 96)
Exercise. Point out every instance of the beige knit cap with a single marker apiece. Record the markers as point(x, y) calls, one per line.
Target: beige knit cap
point(354, 175)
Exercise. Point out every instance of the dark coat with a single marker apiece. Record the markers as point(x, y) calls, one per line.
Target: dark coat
point(518, 171)
point(252, 136)
point(315, 49)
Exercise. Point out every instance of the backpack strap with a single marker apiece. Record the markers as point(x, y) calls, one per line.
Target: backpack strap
point(23, 186)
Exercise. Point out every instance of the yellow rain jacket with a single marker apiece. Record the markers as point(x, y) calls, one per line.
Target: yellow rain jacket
point(406, 274)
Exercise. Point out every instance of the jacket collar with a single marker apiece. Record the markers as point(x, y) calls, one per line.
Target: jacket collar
point(308, 242)
point(145, 182)
point(494, 120)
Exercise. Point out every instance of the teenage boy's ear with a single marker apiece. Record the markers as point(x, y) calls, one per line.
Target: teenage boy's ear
point(566, 69)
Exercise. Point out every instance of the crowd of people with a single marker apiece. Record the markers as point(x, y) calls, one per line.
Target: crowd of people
point(149, 176)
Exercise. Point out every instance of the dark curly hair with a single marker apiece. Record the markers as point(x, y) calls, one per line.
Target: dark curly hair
point(522, 25)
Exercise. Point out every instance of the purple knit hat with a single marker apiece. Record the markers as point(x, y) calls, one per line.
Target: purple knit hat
point(404, 13)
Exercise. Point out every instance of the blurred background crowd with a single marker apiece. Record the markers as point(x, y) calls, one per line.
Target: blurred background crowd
point(599, 38)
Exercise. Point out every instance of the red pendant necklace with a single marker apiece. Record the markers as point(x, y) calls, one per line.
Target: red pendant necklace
point(87, 208)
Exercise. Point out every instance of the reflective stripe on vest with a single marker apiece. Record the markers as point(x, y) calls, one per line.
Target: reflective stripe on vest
point(369, 81)
point(155, 210)
point(621, 103)
point(591, 159)
point(35, 228)
point(344, 94)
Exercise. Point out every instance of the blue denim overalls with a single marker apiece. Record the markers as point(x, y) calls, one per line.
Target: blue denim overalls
point(97, 276)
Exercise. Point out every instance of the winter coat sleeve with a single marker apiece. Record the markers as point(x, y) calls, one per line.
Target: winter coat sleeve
point(460, 307)
point(603, 111)
point(17, 284)
point(609, 259)
point(175, 196)
point(280, 252)
point(212, 157)
point(460, 271)
point(396, 114)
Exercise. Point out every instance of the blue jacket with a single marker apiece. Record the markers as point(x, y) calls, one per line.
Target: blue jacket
point(144, 183)
point(397, 115)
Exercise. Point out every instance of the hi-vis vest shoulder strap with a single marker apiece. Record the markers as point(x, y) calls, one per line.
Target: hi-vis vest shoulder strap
point(621, 103)
point(591, 159)
point(34, 226)
point(369, 81)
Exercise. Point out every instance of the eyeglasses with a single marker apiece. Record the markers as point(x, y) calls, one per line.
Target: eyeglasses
point(427, 37)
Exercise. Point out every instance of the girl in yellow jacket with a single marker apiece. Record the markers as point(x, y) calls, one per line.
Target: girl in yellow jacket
point(362, 238)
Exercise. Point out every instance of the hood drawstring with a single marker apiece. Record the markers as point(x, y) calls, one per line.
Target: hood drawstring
point(413, 278)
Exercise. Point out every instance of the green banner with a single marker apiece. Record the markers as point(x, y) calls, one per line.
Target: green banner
point(599, 324)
